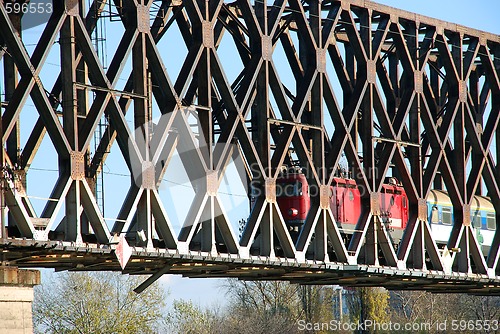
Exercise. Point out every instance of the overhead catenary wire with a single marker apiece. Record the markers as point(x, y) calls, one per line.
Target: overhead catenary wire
point(128, 176)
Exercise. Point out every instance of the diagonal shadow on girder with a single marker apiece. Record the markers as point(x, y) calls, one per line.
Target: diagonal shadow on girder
point(376, 242)
point(322, 238)
point(417, 243)
point(467, 257)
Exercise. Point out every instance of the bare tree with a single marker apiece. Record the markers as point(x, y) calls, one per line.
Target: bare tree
point(188, 318)
point(276, 306)
point(101, 302)
point(433, 309)
point(256, 307)
point(263, 307)
point(482, 307)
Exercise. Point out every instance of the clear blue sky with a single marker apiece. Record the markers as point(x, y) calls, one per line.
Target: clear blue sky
point(480, 14)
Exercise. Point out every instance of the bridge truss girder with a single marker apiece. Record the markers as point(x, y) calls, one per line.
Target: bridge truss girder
point(419, 97)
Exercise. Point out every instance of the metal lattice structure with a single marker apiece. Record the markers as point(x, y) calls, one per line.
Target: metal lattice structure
point(386, 90)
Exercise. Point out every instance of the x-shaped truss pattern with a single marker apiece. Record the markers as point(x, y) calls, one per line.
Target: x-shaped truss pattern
point(386, 90)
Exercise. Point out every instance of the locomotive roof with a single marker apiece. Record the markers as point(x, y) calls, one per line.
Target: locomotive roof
point(344, 180)
point(290, 176)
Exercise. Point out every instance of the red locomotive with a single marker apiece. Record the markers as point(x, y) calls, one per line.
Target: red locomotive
point(293, 197)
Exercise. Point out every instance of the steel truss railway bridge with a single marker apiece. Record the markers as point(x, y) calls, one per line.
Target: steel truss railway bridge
point(389, 92)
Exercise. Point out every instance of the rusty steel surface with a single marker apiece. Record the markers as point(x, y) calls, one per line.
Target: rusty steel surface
point(389, 92)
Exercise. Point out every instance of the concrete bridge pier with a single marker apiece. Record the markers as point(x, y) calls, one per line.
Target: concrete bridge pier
point(16, 298)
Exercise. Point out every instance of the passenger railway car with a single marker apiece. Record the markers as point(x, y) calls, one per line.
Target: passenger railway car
point(441, 218)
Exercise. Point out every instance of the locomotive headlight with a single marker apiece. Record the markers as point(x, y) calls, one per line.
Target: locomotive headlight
point(293, 212)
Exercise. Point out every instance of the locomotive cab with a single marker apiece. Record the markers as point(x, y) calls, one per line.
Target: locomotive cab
point(394, 204)
point(346, 203)
point(292, 196)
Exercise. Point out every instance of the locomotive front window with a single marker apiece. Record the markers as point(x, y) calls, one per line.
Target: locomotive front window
point(289, 189)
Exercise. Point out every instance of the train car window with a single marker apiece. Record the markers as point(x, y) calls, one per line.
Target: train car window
point(447, 216)
point(476, 219)
point(289, 189)
point(404, 202)
point(392, 200)
point(434, 214)
point(351, 195)
point(490, 221)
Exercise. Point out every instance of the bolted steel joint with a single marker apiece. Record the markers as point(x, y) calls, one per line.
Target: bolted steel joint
point(345, 5)
point(72, 7)
point(20, 181)
point(77, 165)
point(419, 82)
point(321, 60)
point(324, 196)
point(212, 182)
point(270, 190)
point(375, 203)
point(267, 47)
point(422, 209)
point(148, 175)
point(462, 91)
point(142, 18)
point(371, 70)
point(208, 34)
point(466, 215)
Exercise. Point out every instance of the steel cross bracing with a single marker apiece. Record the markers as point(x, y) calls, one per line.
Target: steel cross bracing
point(384, 89)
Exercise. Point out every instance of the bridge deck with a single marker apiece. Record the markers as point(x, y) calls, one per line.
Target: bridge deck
point(388, 93)
point(93, 257)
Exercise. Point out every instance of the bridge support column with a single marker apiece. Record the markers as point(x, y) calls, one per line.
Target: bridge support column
point(16, 297)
